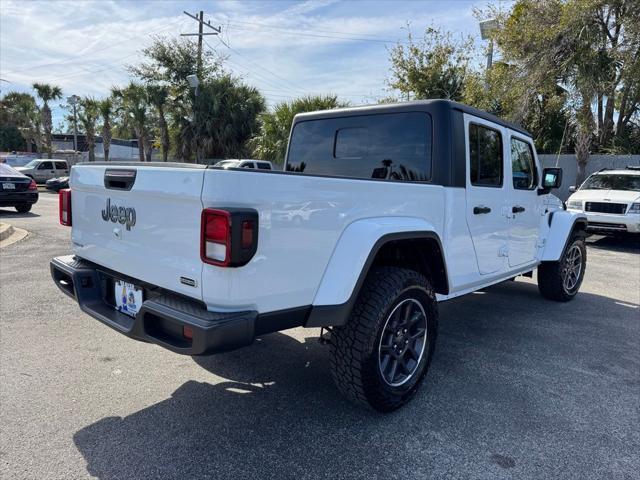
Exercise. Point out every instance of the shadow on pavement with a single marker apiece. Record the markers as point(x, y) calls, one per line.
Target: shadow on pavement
point(629, 243)
point(519, 387)
point(9, 212)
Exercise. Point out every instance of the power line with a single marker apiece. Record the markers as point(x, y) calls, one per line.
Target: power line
point(304, 31)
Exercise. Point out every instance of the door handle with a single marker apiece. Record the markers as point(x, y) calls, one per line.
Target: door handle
point(517, 209)
point(481, 210)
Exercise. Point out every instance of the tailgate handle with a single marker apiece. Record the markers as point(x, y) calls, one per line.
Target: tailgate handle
point(117, 179)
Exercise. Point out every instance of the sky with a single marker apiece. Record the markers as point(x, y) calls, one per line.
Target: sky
point(284, 48)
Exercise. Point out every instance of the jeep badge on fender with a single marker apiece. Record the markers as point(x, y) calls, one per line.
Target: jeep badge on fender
point(124, 215)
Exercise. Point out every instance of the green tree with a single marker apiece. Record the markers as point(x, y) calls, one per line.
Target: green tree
point(225, 116)
point(105, 109)
point(88, 115)
point(591, 48)
point(170, 60)
point(11, 138)
point(20, 110)
point(158, 97)
point(133, 105)
point(270, 143)
point(434, 67)
point(47, 93)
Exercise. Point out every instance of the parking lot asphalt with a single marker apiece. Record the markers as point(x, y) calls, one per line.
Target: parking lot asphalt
point(520, 387)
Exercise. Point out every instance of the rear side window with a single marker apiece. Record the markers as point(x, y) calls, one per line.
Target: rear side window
point(61, 165)
point(264, 166)
point(485, 155)
point(523, 165)
point(394, 146)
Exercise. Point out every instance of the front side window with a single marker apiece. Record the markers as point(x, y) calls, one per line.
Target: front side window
point(46, 166)
point(388, 146)
point(523, 166)
point(485, 155)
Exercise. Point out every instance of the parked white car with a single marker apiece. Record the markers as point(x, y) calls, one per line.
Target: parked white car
point(611, 201)
point(245, 163)
point(43, 169)
point(381, 212)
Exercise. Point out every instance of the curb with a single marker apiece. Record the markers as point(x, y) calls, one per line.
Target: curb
point(10, 235)
point(6, 231)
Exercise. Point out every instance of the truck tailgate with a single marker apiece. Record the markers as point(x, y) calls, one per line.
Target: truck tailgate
point(158, 240)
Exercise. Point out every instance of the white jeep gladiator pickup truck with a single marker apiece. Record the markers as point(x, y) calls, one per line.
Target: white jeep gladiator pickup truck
point(380, 213)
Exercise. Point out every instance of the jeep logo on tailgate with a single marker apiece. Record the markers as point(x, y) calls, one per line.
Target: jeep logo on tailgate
point(124, 215)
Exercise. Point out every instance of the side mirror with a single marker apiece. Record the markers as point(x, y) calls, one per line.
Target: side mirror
point(551, 178)
point(572, 188)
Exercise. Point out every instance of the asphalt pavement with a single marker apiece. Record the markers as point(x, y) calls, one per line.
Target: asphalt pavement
point(520, 387)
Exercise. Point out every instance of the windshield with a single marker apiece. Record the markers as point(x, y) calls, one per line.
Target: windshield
point(612, 182)
point(31, 164)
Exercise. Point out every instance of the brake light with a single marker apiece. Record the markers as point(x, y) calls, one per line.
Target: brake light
point(215, 245)
point(32, 185)
point(64, 198)
point(229, 237)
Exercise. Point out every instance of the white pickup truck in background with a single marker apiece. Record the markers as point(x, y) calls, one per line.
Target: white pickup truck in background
point(380, 213)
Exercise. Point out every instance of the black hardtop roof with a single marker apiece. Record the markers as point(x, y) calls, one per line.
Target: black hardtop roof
point(409, 106)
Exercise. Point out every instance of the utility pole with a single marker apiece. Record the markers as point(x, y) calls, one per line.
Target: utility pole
point(73, 100)
point(201, 24)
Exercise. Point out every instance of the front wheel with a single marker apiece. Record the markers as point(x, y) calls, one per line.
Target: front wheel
point(381, 355)
point(561, 280)
point(24, 208)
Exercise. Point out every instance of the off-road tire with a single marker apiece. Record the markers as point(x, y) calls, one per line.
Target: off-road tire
point(551, 275)
point(355, 347)
point(24, 208)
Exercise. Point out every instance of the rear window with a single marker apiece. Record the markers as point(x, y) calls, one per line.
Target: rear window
point(395, 146)
point(8, 170)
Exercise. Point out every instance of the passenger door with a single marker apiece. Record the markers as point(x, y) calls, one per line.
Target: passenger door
point(486, 193)
point(525, 203)
point(44, 172)
point(62, 170)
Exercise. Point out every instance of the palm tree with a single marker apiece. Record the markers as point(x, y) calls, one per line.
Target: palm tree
point(271, 141)
point(133, 102)
point(105, 108)
point(158, 96)
point(46, 93)
point(89, 112)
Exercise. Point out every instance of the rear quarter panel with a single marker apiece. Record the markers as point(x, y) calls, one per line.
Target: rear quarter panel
point(301, 221)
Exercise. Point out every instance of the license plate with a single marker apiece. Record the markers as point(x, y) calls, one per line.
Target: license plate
point(9, 186)
point(128, 298)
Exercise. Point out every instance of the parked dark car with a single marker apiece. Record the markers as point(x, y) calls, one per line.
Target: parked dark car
point(16, 190)
point(56, 184)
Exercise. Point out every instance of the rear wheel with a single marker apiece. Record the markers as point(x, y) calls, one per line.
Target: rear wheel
point(24, 208)
point(381, 355)
point(561, 280)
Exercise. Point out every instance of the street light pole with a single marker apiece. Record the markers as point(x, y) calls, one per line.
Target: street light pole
point(73, 100)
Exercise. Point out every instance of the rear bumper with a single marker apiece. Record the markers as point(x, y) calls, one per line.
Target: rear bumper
point(17, 198)
point(161, 318)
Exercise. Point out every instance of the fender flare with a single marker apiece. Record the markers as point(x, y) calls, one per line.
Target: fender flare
point(562, 224)
point(351, 260)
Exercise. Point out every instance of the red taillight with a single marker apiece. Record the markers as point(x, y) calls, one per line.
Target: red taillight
point(247, 233)
point(229, 237)
point(32, 185)
point(215, 244)
point(65, 207)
